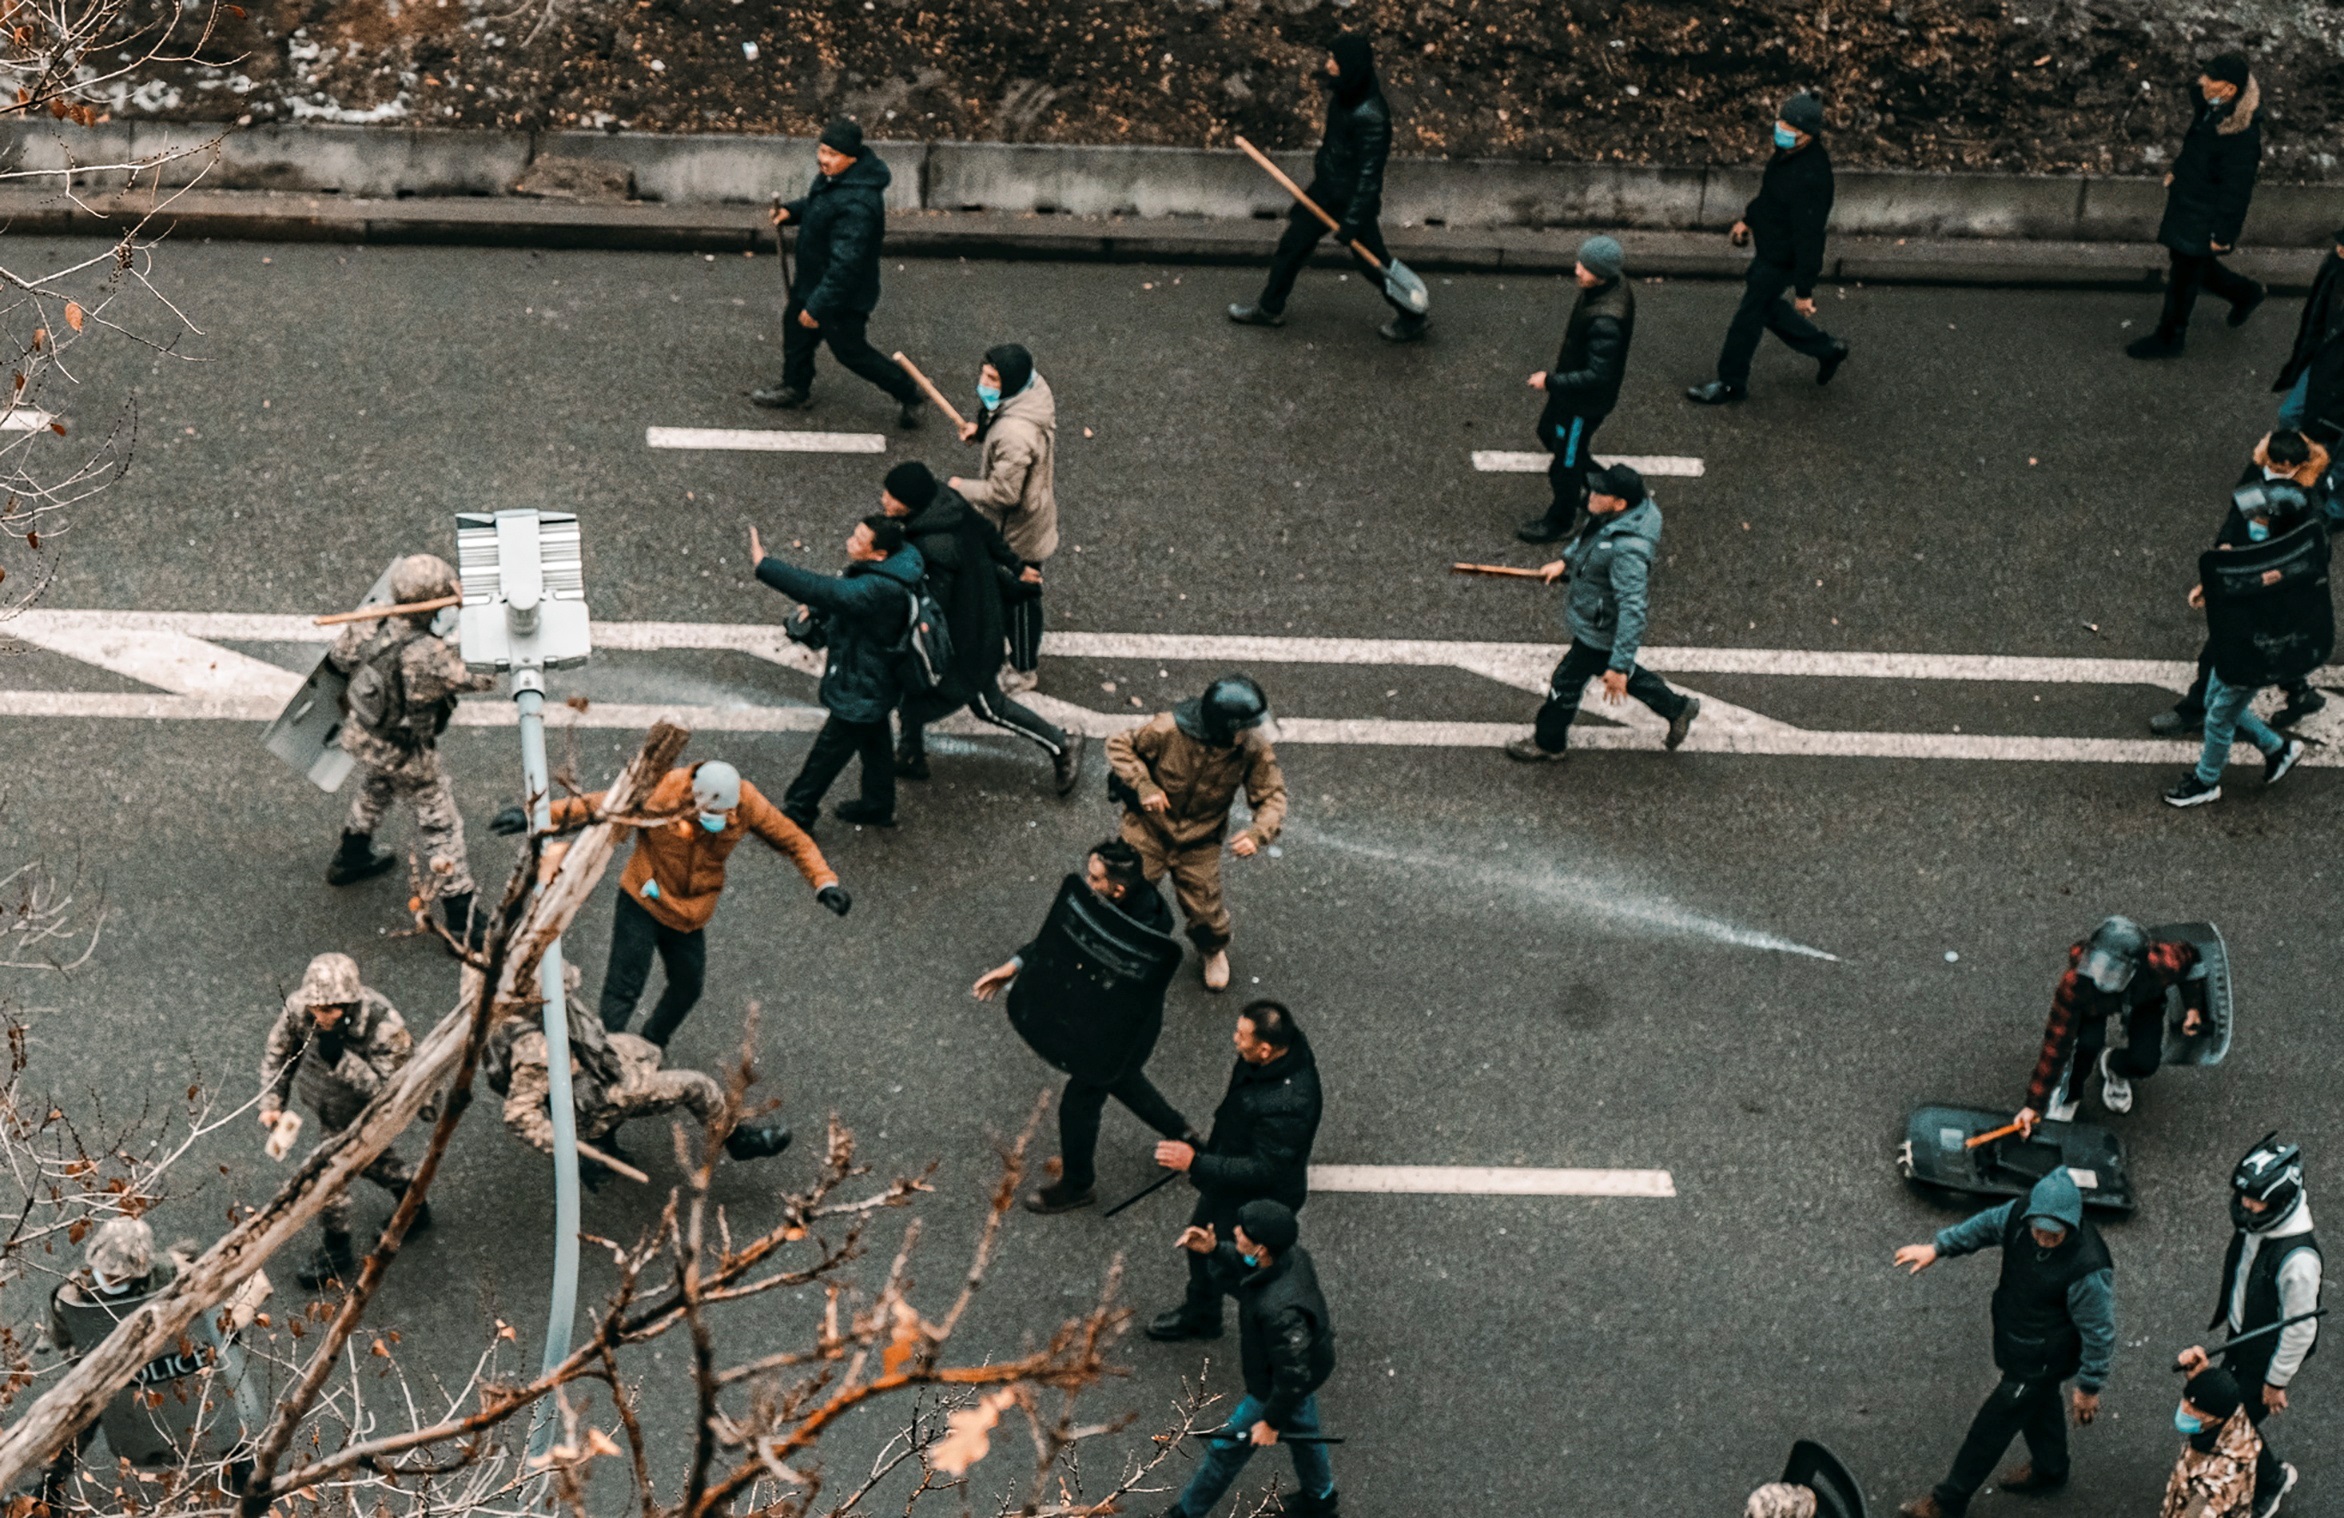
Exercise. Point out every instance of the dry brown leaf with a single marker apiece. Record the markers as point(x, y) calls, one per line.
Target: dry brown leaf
point(73, 315)
point(381, 1350)
point(969, 1437)
point(903, 1343)
point(600, 1443)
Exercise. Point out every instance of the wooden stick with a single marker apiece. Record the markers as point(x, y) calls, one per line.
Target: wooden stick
point(1503, 571)
point(1295, 190)
point(2003, 1132)
point(611, 1162)
point(374, 613)
point(959, 423)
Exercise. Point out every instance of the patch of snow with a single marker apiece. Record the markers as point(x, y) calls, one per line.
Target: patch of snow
point(329, 110)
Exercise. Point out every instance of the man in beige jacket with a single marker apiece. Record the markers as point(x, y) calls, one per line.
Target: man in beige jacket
point(1177, 776)
point(1016, 487)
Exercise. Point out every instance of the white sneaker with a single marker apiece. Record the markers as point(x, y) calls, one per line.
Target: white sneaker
point(2115, 1090)
point(2264, 1507)
point(1016, 682)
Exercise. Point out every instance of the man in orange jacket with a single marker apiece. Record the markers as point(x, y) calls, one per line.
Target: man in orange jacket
point(669, 888)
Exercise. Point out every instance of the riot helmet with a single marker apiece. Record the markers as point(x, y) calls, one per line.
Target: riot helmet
point(716, 786)
point(2271, 1174)
point(2113, 954)
point(121, 1253)
point(422, 577)
point(1228, 707)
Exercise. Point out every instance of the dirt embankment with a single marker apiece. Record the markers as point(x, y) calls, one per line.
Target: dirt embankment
point(2033, 85)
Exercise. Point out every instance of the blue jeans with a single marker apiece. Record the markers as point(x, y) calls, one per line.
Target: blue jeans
point(2229, 715)
point(2291, 406)
point(1224, 1458)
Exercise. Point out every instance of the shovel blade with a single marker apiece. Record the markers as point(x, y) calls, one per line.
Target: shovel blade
point(1402, 284)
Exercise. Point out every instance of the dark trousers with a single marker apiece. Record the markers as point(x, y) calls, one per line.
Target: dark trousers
point(2142, 1052)
point(1025, 633)
point(1581, 664)
point(635, 935)
point(990, 705)
point(1079, 1108)
point(844, 334)
point(839, 741)
point(1766, 307)
point(2029, 1409)
point(1303, 232)
point(1571, 439)
point(2194, 703)
point(2192, 272)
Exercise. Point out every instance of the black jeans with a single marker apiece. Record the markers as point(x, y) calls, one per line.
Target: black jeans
point(1025, 633)
point(844, 333)
point(1766, 307)
point(634, 936)
point(988, 704)
point(2138, 1059)
point(2031, 1409)
point(839, 741)
point(2190, 273)
point(1303, 232)
point(1581, 664)
point(1079, 1108)
point(2194, 703)
point(1571, 439)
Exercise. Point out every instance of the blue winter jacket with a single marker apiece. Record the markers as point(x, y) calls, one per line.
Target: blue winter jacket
point(862, 617)
point(1611, 573)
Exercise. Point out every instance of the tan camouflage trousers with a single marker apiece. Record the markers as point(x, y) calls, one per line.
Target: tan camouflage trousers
point(388, 1171)
point(648, 1091)
point(417, 779)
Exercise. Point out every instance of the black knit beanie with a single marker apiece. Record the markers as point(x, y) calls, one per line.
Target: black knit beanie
point(911, 483)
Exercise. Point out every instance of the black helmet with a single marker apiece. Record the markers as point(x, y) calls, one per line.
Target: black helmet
point(1228, 707)
point(2272, 1174)
point(2114, 952)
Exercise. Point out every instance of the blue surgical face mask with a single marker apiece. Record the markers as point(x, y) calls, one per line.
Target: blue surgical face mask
point(1251, 1260)
point(2257, 530)
point(713, 821)
point(1784, 137)
point(2183, 1423)
point(990, 395)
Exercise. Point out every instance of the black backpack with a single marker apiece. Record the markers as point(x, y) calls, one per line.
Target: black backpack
point(924, 657)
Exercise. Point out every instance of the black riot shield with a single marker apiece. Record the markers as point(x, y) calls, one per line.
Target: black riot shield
point(1936, 1156)
point(1090, 997)
point(2269, 616)
point(1819, 1470)
point(2207, 988)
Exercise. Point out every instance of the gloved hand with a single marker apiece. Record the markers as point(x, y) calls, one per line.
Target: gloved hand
point(508, 822)
point(835, 897)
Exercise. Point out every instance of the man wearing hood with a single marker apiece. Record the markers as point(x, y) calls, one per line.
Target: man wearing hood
point(970, 567)
point(1584, 383)
point(2271, 1274)
point(1176, 776)
point(2054, 1313)
point(841, 221)
point(1347, 182)
point(1016, 487)
point(861, 618)
point(1609, 566)
point(2208, 191)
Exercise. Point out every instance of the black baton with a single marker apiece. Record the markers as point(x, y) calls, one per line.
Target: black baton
point(1150, 1189)
point(2263, 1332)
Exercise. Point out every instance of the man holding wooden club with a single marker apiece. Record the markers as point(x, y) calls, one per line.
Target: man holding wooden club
point(1347, 180)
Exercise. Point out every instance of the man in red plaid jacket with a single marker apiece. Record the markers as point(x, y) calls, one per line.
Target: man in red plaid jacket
point(2118, 972)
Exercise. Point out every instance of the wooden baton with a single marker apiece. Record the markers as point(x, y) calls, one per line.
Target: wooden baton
point(1983, 1139)
point(959, 423)
point(1502, 571)
point(372, 613)
point(1295, 190)
point(587, 1151)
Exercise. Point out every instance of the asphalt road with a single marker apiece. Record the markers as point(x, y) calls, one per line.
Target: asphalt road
point(1498, 967)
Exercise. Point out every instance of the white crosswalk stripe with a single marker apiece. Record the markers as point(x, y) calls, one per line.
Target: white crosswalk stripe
point(1650, 465)
point(764, 440)
point(1485, 1180)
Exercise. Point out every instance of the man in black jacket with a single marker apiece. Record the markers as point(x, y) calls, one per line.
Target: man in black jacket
point(841, 219)
point(2208, 192)
point(1286, 1347)
point(1347, 180)
point(1786, 221)
point(2312, 379)
point(1260, 1148)
point(1584, 383)
point(1087, 994)
point(968, 565)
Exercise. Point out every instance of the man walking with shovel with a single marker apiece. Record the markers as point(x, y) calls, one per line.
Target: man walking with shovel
point(1345, 196)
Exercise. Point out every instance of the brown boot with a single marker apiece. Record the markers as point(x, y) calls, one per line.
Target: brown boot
point(1923, 1506)
point(2024, 1480)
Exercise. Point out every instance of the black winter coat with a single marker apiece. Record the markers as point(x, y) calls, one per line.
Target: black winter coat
point(969, 565)
point(1347, 175)
point(840, 223)
point(2213, 176)
point(2319, 346)
point(1262, 1133)
point(1585, 379)
point(1789, 214)
point(862, 618)
point(1286, 1340)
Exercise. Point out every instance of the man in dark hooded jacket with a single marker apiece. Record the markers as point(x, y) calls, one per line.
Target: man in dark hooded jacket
point(2312, 379)
point(2211, 185)
point(1584, 383)
point(969, 565)
point(841, 221)
point(1347, 181)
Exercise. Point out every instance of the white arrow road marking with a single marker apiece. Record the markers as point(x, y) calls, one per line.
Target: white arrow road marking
point(172, 661)
point(764, 440)
point(1480, 1180)
point(1650, 465)
point(25, 419)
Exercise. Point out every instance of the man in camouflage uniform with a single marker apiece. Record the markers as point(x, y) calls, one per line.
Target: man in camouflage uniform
point(614, 1078)
point(335, 1044)
point(403, 687)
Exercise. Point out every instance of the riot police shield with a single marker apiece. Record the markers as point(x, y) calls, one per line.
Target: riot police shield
point(198, 1401)
point(2207, 989)
point(1936, 1156)
point(1090, 996)
point(1837, 1494)
point(2269, 616)
point(305, 733)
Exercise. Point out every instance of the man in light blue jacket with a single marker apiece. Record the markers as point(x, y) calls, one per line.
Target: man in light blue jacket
point(1609, 566)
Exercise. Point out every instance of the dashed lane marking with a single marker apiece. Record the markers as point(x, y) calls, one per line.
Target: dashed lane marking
point(1478, 1180)
point(1650, 465)
point(764, 440)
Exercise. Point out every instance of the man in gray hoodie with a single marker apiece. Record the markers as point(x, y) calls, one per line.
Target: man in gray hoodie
point(1609, 566)
point(2054, 1318)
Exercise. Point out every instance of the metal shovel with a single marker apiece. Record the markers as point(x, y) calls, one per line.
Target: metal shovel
point(1400, 281)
